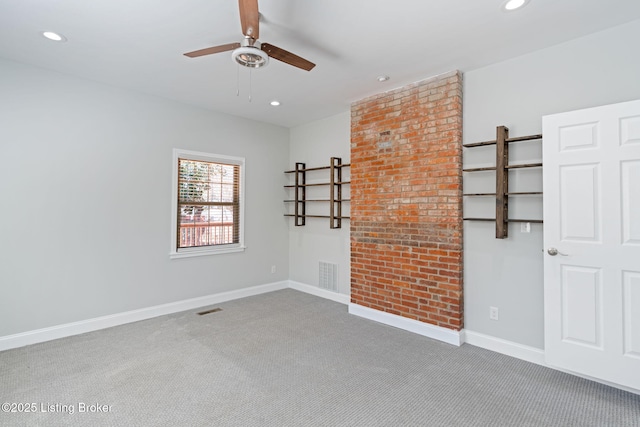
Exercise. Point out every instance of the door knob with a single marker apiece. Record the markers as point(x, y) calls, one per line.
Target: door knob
point(554, 252)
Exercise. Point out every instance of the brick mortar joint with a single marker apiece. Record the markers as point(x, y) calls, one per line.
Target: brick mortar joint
point(414, 86)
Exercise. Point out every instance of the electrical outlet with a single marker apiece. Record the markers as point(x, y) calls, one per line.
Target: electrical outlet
point(493, 313)
point(273, 269)
point(525, 227)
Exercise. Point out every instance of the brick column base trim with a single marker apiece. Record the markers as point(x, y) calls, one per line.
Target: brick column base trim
point(425, 329)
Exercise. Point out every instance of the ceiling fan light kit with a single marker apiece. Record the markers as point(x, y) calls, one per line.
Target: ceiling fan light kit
point(250, 57)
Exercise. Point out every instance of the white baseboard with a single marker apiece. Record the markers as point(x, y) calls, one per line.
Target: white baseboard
point(510, 348)
point(436, 332)
point(529, 354)
point(319, 292)
point(89, 325)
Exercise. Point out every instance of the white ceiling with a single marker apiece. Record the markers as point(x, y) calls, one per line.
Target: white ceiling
point(138, 45)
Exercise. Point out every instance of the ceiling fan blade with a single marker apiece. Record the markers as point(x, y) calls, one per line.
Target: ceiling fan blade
point(214, 49)
point(287, 57)
point(250, 18)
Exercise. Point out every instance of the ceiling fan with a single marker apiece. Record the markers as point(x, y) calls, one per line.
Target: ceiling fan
point(251, 53)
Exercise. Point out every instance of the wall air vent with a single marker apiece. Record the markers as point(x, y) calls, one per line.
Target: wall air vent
point(328, 276)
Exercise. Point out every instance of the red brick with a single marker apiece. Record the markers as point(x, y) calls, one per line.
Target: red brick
point(406, 220)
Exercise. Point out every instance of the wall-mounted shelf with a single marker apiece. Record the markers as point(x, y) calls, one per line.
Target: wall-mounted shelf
point(526, 193)
point(314, 185)
point(535, 221)
point(335, 199)
point(502, 169)
point(317, 200)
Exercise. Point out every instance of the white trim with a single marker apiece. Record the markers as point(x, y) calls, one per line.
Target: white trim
point(319, 292)
point(207, 251)
point(436, 332)
point(510, 348)
point(83, 326)
point(528, 354)
point(89, 325)
point(179, 153)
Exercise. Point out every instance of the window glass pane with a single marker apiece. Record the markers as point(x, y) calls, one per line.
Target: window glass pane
point(197, 231)
point(193, 181)
point(208, 203)
point(222, 185)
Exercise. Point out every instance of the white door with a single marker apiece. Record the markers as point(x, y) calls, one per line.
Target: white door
point(591, 174)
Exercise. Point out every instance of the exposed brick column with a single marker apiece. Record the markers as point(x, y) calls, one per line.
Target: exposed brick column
point(406, 201)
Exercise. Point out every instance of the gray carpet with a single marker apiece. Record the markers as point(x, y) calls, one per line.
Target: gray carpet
point(291, 359)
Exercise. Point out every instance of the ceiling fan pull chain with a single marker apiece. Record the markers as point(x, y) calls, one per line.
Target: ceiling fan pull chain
point(250, 84)
point(238, 80)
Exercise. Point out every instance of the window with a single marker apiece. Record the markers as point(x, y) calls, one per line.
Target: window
point(208, 204)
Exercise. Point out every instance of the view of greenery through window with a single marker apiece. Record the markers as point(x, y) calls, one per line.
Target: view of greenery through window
point(208, 203)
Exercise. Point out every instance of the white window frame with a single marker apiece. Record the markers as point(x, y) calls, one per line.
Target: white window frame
point(203, 250)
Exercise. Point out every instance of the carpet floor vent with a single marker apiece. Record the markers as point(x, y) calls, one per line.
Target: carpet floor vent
point(328, 276)
point(213, 310)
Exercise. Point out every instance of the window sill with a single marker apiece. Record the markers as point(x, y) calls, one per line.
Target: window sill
point(202, 252)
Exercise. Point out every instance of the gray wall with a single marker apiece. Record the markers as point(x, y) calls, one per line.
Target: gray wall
point(314, 144)
point(599, 69)
point(85, 188)
point(74, 152)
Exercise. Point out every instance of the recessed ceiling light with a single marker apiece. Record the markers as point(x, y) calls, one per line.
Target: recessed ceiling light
point(275, 103)
point(383, 78)
point(510, 5)
point(54, 36)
